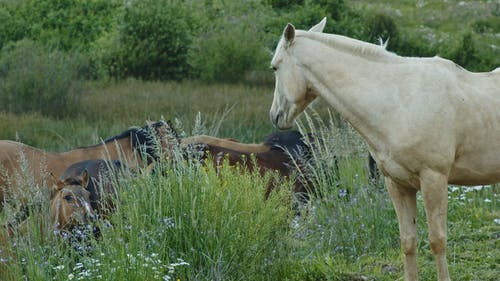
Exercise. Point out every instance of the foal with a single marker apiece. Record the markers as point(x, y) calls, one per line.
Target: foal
point(84, 192)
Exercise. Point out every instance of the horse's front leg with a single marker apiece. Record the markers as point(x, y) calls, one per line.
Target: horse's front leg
point(404, 200)
point(434, 188)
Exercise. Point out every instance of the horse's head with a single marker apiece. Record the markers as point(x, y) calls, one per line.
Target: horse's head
point(292, 93)
point(70, 203)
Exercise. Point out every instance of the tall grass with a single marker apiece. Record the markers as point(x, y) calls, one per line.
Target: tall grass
point(189, 222)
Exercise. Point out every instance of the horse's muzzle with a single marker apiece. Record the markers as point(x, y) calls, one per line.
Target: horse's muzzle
point(275, 119)
point(279, 121)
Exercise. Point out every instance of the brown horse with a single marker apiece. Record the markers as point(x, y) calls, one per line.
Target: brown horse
point(84, 192)
point(282, 152)
point(70, 203)
point(23, 166)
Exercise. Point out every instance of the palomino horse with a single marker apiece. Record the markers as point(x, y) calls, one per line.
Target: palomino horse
point(85, 191)
point(136, 147)
point(283, 152)
point(427, 121)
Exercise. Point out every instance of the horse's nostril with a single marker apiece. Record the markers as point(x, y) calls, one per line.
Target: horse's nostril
point(277, 118)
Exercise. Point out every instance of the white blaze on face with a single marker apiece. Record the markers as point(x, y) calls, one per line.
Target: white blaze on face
point(88, 209)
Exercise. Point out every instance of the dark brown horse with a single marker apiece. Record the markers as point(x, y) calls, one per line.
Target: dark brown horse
point(22, 166)
point(85, 191)
point(283, 152)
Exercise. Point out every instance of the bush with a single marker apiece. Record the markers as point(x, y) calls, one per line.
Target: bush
point(486, 25)
point(36, 80)
point(466, 55)
point(228, 56)
point(154, 39)
point(65, 24)
point(13, 28)
point(230, 45)
point(382, 26)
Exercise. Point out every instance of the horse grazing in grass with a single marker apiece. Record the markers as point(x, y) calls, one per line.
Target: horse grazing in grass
point(85, 191)
point(427, 121)
point(282, 152)
point(24, 165)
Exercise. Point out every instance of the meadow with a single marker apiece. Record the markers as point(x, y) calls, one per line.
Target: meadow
point(73, 73)
point(188, 223)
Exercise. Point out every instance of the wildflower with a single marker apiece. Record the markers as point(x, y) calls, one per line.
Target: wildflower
point(85, 273)
point(71, 276)
point(59, 267)
point(78, 266)
point(169, 222)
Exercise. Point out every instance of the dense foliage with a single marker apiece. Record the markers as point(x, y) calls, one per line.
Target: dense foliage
point(213, 41)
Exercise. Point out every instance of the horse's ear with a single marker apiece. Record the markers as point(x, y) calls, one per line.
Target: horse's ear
point(58, 185)
point(289, 33)
point(53, 178)
point(320, 26)
point(85, 178)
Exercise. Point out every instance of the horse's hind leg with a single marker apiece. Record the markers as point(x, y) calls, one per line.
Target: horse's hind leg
point(404, 200)
point(434, 188)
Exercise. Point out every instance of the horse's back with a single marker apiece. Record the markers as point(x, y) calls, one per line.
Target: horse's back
point(94, 167)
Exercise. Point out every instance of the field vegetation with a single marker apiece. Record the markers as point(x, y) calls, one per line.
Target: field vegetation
point(73, 73)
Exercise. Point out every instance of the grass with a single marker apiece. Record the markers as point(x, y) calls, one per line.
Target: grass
point(190, 223)
point(193, 224)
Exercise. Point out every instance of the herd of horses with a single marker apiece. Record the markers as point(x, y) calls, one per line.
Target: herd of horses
point(81, 183)
point(427, 123)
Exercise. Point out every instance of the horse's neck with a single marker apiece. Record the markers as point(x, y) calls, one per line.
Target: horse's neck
point(357, 87)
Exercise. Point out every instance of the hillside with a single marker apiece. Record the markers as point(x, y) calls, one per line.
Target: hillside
point(444, 23)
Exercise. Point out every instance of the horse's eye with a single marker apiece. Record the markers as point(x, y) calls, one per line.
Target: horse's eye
point(68, 198)
point(274, 68)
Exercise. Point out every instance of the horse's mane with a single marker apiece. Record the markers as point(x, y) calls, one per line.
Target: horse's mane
point(350, 45)
point(291, 141)
point(144, 139)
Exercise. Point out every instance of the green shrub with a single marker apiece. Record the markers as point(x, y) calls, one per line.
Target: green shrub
point(13, 27)
point(228, 55)
point(65, 24)
point(230, 45)
point(107, 55)
point(285, 4)
point(341, 18)
point(466, 55)
point(382, 26)
point(36, 80)
point(486, 25)
point(154, 39)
